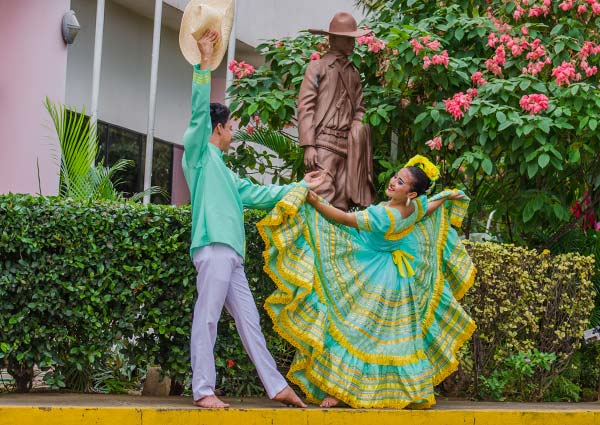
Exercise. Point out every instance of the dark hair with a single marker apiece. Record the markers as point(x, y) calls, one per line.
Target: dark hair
point(219, 114)
point(420, 182)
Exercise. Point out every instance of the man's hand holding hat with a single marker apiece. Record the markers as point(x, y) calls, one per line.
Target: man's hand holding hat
point(206, 46)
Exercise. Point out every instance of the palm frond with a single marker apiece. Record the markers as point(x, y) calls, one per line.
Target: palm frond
point(152, 190)
point(78, 145)
point(283, 144)
point(277, 141)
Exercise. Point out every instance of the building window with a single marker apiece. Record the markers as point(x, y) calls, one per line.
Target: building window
point(120, 143)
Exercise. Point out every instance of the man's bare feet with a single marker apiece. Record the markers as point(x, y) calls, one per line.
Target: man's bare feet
point(210, 402)
point(288, 397)
point(329, 401)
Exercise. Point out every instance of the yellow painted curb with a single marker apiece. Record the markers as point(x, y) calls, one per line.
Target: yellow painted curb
point(157, 416)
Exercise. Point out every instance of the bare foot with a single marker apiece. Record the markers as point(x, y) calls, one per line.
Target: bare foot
point(329, 401)
point(288, 397)
point(210, 402)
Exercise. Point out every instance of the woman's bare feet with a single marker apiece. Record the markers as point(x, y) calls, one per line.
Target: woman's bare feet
point(210, 402)
point(329, 401)
point(288, 397)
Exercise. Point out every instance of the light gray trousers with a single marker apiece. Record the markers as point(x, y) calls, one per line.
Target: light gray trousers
point(222, 281)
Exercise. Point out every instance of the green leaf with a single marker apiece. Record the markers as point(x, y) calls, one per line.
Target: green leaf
point(375, 120)
point(459, 33)
point(501, 117)
point(543, 160)
point(487, 166)
point(532, 169)
point(593, 124)
point(252, 109)
point(504, 125)
point(559, 47)
point(524, 85)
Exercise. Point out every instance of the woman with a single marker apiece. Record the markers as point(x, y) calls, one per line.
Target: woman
point(369, 299)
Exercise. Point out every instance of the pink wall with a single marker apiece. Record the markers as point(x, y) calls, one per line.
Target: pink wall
point(33, 66)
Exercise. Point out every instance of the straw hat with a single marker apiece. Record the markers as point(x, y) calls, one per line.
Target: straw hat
point(343, 24)
point(202, 15)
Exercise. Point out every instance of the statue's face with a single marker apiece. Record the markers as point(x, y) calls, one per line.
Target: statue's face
point(342, 44)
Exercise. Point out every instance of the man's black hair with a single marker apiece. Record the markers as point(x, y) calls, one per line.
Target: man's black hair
point(219, 114)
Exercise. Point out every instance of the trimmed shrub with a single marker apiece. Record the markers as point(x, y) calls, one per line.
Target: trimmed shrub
point(525, 303)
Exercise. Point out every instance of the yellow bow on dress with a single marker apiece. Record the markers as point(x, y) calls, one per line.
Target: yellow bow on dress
point(401, 259)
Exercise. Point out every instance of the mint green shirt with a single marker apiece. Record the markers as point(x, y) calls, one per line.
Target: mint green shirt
point(218, 196)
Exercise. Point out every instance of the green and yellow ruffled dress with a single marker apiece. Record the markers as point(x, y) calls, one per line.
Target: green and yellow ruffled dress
point(373, 313)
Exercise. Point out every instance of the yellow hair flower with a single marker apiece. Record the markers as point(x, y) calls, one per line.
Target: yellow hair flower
point(426, 165)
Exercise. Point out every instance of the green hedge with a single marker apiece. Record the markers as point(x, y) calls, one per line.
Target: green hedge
point(81, 283)
point(529, 302)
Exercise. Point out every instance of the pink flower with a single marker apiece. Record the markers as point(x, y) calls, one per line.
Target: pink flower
point(565, 5)
point(478, 79)
point(441, 59)
point(426, 62)
point(434, 45)
point(373, 43)
point(539, 10)
point(596, 8)
point(250, 130)
point(459, 103)
point(524, 30)
point(417, 47)
point(518, 13)
point(241, 69)
point(395, 52)
point(492, 40)
point(230, 363)
point(315, 56)
point(563, 73)
point(435, 143)
point(582, 8)
point(534, 103)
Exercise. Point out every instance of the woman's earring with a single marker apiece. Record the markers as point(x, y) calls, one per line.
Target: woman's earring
point(408, 201)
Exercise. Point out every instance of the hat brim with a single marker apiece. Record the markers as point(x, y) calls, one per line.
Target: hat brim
point(355, 34)
point(189, 45)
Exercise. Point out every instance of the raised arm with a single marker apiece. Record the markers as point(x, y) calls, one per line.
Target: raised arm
point(332, 213)
point(197, 135)
point(434, 205)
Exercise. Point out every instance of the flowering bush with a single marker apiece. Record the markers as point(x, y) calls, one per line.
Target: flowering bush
point(509, 88)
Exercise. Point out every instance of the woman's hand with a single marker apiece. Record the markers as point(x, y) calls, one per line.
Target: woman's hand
point(312, 198)
point(454, 196)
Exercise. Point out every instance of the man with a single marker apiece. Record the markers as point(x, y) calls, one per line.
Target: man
point(330, 111)
point(218, 242)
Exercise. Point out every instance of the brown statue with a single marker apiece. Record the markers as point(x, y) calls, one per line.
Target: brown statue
point(330, 111)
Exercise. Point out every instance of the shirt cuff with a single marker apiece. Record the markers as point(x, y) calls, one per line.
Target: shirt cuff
point(303, 183)
point(201, 76)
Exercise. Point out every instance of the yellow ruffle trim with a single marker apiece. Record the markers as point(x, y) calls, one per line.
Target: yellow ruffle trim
point(298, 336)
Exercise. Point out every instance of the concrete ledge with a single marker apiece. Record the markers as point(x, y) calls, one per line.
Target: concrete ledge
point(59, 409)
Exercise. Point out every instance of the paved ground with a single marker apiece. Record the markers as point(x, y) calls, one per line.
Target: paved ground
point(178, 403)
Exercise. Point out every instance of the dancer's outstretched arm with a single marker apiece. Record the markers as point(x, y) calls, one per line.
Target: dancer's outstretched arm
point(331, 212)
point(434, 205)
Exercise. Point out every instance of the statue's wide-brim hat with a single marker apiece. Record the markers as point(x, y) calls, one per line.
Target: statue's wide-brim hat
point(343, 24)
point(200, 16)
